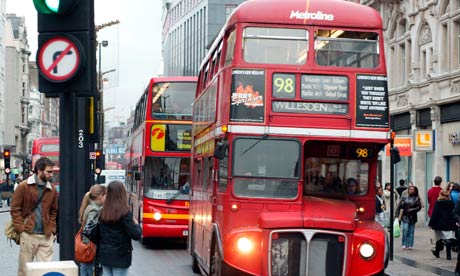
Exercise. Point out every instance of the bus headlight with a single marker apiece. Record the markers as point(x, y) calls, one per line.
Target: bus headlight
point(244, 245)
point(157, 216)
point(366, 250)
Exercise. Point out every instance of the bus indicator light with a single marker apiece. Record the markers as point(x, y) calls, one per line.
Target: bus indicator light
point(234, 207)
point(244, 245)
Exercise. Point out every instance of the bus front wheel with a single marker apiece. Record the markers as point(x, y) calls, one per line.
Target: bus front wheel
point(216, 262)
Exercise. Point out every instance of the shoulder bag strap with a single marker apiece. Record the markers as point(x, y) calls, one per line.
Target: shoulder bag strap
point(38, 202)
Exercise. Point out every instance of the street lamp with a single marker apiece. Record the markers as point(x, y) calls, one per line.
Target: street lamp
point(104, 43)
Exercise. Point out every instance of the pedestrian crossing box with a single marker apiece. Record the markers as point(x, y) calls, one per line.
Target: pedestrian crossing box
point(64, 268)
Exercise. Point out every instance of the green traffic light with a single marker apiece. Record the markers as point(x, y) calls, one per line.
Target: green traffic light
point(48, 6)
point(52, 5)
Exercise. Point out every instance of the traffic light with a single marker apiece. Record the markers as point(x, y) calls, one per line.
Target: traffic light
point(7, 158)
point(98, 166)
point(66, 55)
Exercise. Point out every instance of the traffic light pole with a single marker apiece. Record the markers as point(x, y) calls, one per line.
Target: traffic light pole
point(68, 139)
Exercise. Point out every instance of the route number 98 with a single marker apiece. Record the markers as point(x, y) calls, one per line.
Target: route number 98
point(283, 86)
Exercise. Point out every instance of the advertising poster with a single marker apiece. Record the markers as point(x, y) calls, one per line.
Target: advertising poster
point(371, 101)
point(247, 96)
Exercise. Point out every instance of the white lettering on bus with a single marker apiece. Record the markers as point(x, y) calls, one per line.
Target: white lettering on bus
point(311, 15)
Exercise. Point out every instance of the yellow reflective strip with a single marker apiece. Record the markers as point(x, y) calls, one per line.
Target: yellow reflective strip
point(166, 216)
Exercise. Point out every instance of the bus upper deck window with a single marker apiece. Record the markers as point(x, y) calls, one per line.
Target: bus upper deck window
point(275, 45)
point(347, 48)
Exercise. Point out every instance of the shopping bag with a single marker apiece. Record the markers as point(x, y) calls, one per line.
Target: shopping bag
point(385, 218)
point(396, 229)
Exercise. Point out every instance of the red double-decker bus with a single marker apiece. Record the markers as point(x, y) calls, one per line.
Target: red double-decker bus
point(159, 157)
point(47, 147)
point(290, 115)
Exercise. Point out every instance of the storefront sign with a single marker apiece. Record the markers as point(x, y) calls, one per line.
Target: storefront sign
point(454, 138)
point(423, 140)
point(404, 144)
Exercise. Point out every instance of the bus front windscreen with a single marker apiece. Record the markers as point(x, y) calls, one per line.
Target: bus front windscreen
point(173, 100)
point(265, 168)
point(165, 177)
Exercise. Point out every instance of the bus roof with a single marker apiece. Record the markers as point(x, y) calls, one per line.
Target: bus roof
point(47, 140)
point(307, 12)
point(327, 13)
point(173, 79)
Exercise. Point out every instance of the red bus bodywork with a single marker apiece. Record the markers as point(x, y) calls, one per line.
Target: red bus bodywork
point(159, 157)
point(290, 115)
point(47, 147)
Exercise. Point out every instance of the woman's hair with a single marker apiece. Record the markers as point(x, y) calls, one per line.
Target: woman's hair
point(116, 203)
point(95, 191)
point(351, 181)
point(415, 190)
point(443, 195)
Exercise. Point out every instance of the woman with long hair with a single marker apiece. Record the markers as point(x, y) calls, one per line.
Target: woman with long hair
point(409, 206)
point(117, 227)
point(443, 221)
point(89, 212)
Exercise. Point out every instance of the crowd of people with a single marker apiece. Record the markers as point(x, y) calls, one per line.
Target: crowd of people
point(34, 212)
point(443, 212)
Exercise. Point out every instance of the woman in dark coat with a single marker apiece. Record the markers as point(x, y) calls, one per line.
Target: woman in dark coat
point(117, 228)
point(443, 222)
point(409, 206)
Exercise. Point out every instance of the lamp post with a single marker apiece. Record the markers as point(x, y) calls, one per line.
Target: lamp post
point(104, 43)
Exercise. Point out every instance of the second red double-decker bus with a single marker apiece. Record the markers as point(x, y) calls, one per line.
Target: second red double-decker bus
point(159, 157)
point(47, 147)
point(290, 115)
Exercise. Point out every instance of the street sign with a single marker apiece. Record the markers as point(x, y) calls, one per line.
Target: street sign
point(59, 59)
point(92, 155)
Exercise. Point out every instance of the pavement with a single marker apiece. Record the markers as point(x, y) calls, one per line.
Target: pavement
point(417, 262)
point(420, 261)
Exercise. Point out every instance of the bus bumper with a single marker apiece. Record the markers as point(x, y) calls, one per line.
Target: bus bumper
point(164, 231)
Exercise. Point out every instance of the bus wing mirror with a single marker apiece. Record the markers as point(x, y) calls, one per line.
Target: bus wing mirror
point(137, 176)
point(220, 150)
point(102, 179)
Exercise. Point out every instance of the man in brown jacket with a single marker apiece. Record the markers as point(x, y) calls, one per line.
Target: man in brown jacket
point(37, 226)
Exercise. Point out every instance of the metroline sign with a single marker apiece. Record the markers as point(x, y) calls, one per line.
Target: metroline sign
point(319, 15)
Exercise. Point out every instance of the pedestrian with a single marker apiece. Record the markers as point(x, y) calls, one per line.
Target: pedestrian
point(387, 195)
point(117, 227)
point(401, 187)
point(457, 213)
point(433, 194)
point(89, 212)
point(33, 211)
point(407, 211)
point(443, 222)
point(454, 192)
point(381, 209)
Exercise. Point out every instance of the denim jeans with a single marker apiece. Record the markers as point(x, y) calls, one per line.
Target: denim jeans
point(114, 271)
point(86, 269)
point(408, 234)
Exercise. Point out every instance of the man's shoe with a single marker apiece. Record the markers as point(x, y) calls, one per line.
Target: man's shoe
point(435, 253)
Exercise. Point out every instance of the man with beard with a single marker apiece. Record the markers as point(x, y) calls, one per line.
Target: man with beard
point(33, 211)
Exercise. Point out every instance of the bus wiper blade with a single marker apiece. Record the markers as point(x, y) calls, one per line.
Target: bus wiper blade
point(173, 197)
point(255, 143)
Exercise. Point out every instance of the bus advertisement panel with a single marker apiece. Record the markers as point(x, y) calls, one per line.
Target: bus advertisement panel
point(289, 118)
point(159, 157)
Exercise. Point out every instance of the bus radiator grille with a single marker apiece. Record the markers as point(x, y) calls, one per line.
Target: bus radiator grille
point(302, 253)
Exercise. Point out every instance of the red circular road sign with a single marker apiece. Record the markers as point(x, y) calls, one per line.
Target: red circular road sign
point(59, 59)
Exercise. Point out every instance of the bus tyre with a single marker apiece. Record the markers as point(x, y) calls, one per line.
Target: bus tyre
point(195, 267)
point(216, 262)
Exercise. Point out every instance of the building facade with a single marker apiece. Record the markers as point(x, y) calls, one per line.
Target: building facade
point(189, 28)
point(423, 62)
point(2, 72)
point(16, 89)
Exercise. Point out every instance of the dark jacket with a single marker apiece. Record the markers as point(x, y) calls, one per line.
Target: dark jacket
point(24, 200)
point(443, 217)
point(114, 246)
point(409, 206)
